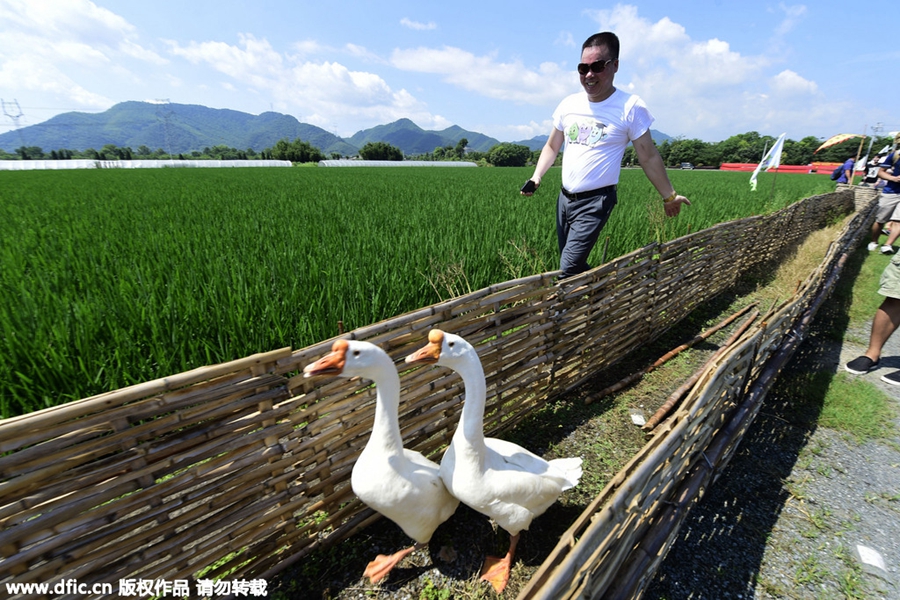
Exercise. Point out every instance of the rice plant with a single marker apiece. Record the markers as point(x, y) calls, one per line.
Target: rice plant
point(111, 277)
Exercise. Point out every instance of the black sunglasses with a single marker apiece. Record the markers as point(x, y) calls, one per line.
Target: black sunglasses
point(597, 67)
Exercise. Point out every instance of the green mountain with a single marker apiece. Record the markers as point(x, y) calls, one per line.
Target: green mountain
point(535, 143)
point(477, 141)
point(176, 128)
point(412, 139)
point(184, 128)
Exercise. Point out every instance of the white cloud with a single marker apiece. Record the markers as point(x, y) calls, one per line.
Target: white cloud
point(525, 132)
point(512, 81)
point(698, 87)
point(308, 47)
point(790, 83)
point(50, 45)
point(139, 52)
point(255, 61)
point(566, 39)
point(74, 19)
point(792, 15)
point(80, 23)
point(327, 94)
point(417, 25)
point(34, 74)
point(363, 53)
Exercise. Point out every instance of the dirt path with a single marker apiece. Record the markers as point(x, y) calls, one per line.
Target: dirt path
point(801, 511)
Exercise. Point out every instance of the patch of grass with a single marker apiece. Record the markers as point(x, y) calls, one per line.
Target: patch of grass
point(838, 402)
point(856, 407)
point(850, 579)
point(774, 588)
point(809, 571)
point(431, 592)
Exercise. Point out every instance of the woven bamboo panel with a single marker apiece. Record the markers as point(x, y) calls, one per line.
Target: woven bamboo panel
point(246, 465)
point(683, 278)
point(625, 532)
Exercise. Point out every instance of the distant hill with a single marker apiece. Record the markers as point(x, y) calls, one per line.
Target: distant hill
point(535, 143)
point(176, 128)
point(659, 137)
point(184, 128)
point(477, 141)
point(412, 139)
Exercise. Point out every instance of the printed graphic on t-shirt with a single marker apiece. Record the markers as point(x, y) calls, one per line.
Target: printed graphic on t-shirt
point(587, 133)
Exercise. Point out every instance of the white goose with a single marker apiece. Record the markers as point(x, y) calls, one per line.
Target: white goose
point(401, 484)
point(497, 478)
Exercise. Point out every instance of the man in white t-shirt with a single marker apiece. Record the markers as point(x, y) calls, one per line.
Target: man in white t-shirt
point(596, 127)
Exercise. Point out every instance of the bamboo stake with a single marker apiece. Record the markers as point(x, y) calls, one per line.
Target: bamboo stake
point(858, 152)
point(678, 394)
point(665, 358)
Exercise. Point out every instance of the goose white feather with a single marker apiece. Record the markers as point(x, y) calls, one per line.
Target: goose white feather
point(399, 483)
point(497, 478)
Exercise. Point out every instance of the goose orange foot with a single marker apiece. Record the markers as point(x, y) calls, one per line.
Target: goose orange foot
point(496, 570)
point(379, 568)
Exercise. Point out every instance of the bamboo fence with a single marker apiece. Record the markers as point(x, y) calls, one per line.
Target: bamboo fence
point(613, 549)
point(243, 468)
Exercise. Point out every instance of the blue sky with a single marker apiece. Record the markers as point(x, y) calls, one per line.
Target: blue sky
point(708, 69)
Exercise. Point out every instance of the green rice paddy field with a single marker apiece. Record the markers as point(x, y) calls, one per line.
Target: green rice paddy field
point(114, 277)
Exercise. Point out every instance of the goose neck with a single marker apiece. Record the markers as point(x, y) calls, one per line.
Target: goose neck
point(386, 435)
point(473, 407)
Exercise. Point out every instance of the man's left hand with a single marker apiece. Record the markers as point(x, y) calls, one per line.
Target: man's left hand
point(674, 207)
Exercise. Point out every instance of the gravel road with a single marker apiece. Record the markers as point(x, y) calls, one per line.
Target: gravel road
point(801, 511)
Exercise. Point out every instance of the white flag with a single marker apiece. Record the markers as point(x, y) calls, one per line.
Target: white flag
point(771, 160)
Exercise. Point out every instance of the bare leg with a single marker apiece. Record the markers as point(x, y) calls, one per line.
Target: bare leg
point(876, 231)
point(383, 563)
point(895, 233)
point(886, 321)
point(496, 570)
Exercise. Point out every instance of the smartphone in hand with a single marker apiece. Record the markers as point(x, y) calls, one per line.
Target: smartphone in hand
point(529, 187)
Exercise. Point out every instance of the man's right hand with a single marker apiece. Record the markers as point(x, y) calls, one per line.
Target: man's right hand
point(529, 188)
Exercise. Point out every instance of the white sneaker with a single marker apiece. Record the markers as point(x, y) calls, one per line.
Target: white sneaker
point(873, 246)
point(887, 249)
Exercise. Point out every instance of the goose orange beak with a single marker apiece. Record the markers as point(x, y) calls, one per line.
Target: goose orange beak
point(430, 354)
point(330, 364)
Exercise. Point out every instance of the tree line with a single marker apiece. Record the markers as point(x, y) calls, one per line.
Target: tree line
point(747, 147)
point(751, 147)
point(295, 151)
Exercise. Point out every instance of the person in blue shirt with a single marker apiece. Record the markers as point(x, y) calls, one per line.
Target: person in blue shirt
point(847, 172)
point(888, 202)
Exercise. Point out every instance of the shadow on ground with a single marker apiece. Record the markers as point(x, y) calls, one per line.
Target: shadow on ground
point(722, 542)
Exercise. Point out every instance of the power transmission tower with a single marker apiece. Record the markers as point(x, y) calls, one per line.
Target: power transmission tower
point(8, 110)
point(165, 116)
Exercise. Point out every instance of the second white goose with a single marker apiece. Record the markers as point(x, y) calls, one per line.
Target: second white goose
point(497, 478)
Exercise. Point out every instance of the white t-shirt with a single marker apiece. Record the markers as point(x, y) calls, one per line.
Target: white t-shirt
point(596, 135)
